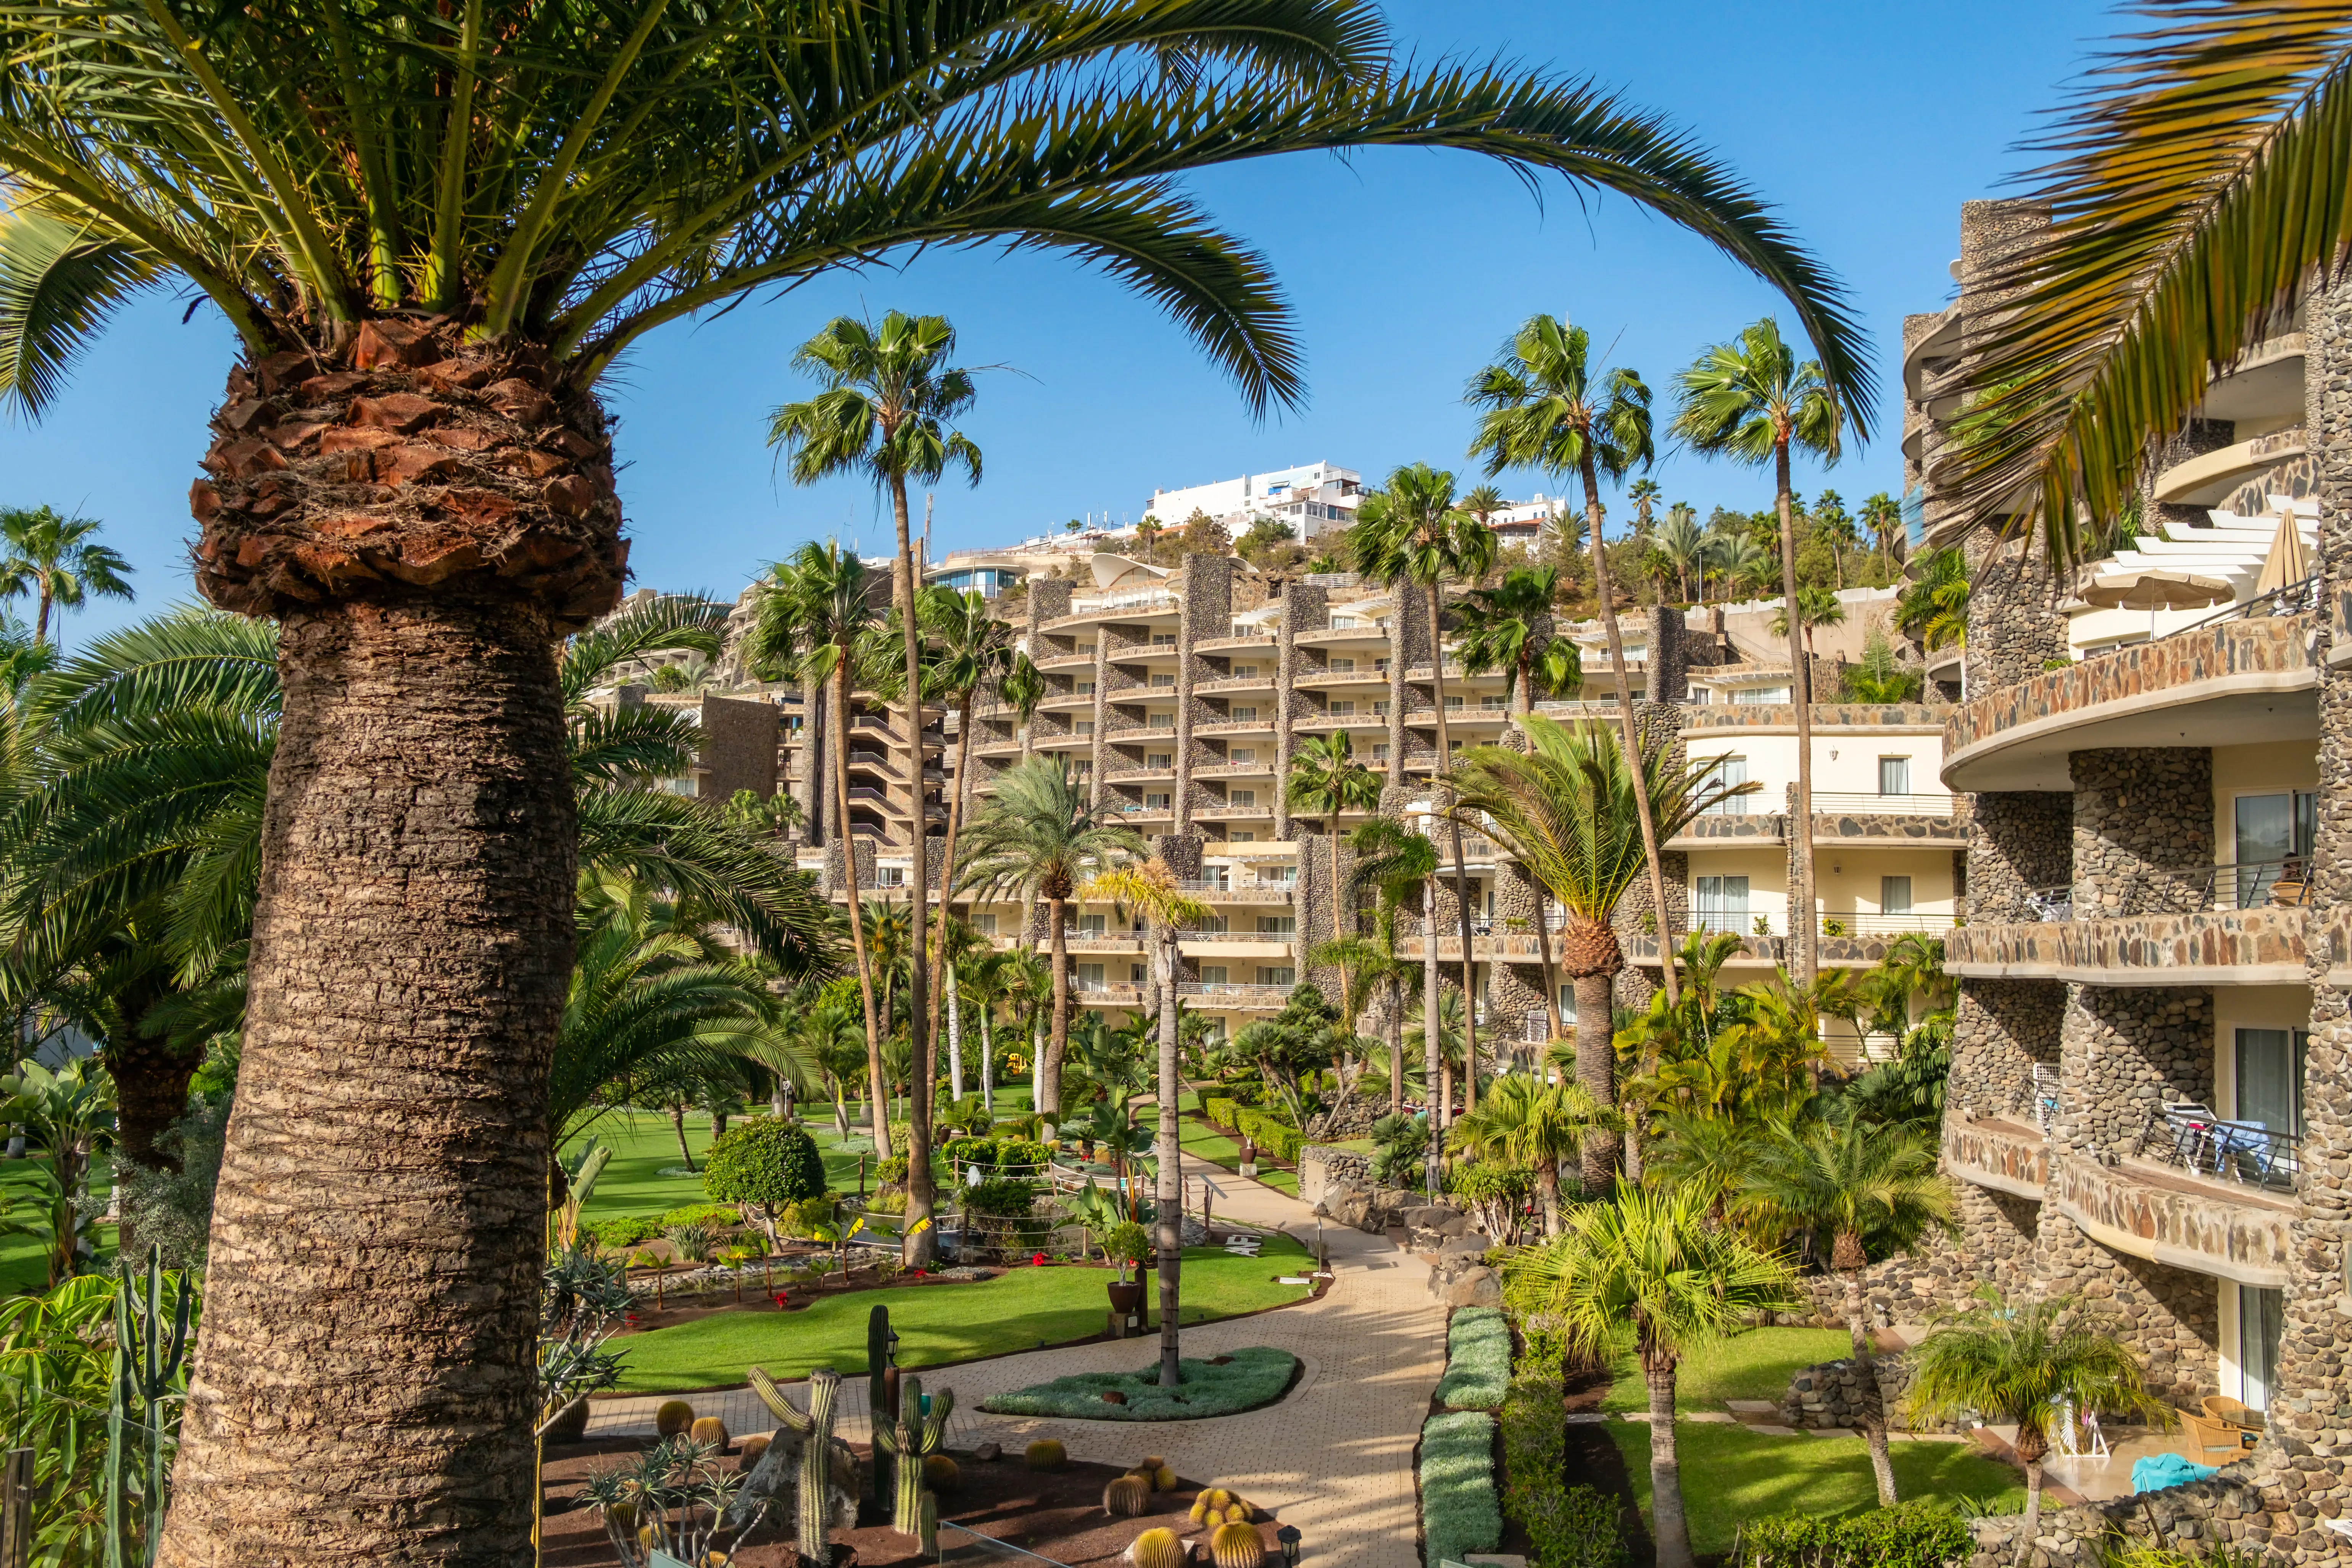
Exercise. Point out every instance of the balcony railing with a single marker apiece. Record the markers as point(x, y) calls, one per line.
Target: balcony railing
point(1278, 936)
point(1879, 922)
point(1934, 805)
point(2189, 1137)
point(2295, 599)
point(2238, 885)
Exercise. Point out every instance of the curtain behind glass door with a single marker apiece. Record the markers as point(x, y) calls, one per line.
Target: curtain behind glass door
point(2270, 1078)
point(2261, 1314)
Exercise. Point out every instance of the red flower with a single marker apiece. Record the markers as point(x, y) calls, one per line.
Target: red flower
point(1039, 1260)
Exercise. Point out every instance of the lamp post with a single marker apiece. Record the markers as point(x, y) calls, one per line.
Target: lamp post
point(1287, 1536)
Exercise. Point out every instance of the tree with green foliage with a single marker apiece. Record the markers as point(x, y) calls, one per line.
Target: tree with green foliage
point(1882, 517)
point(1816, 608)
point(1652, 1273)
point(1684, 548)
point(1878, 676)
point(764, 1165)
point(1932, 607)
point(1528, 1124)
point(1293, 1046)
point(58, 561)
point(1402, 866)
point(1506, 628)
point(1324, 778)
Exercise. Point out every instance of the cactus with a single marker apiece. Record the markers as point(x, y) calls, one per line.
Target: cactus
point(1238, 1513)
point(751, 1452)
point(942, 1476)
point(1237, 1546)
point(1127, 1495)
point(1200, 1511)
point(1047, 1454)
point(1217, 1497)
point(1158, 1548)
point(812, 1522)
point(1145, 1466)
point(877, 1399)
point(710, 1429)
point(672, 1418)
point(150, 1356)
point(1163, 1479)
point(914, 1511)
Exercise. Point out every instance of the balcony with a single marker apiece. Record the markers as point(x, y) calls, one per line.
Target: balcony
point(2232, 681)
point(1082, 659)
point(1937, 821)
point(2238, 924)
point(1130, 996)
point(2006, 1156)
point(1240, 892)
point(1234, 683)
point(1240, 641)
point(1098, 942)
point(1219, 996)
point(1229, 946)
point(2206, 479)
point(2153, 1209)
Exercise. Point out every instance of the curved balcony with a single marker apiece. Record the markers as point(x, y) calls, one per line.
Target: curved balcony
point(1228, 945)
point(1079, 660)
point(2231, 682)
point(1219, 996)
point(1940, 338)
point(1241, 892)
point(2206, 479)
point(2007, 1156)
point(1237, 642)
point(1234, 683)
point(1238, 726)
point(2212, 947)
point(2203, 1223)
point(1130, 996)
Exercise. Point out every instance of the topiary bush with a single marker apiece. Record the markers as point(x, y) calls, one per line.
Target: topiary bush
point(1477, 1360)
point(1016, 1153)
point(765, 1164)
point(1458, 1507)
point(1256, 1376)
point(1909, 1535)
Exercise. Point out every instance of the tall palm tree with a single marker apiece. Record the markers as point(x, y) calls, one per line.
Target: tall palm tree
point(1566, 809)
point(816, 624)
point(1684, 545)
point(422, 222)
point(1506, 628)
point(1042, 834)
point(1402, 864)
point(987, 977)
point(1643, 494)
point(1483, 502)
point(55, 560)
point(1650, 1270)
point(1868, 1190)
point(1752, 400)
point(1151, 890)
point(1742, 566)
point(1325, 780)
point(2016, 1361)
point(1816, 608)
point(1418, 536)
point(889, 396)
point(1532, 1125)
point(1882, 516)
point(1548, 406)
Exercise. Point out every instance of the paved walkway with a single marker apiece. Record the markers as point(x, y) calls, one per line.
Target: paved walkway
point(1335, 1458)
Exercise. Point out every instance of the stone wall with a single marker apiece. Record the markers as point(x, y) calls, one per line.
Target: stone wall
point(2019, 843)
point(2169, 1317)
point(2001, 1030)
point(2014, 627)
point(2218, 1226)
point(2143, 830)
point(1828, 1395)
point(2236, 941)
point(2122, 1053)
point(1322, 1170)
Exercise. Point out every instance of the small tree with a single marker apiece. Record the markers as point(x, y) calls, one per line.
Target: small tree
point(765, 1164)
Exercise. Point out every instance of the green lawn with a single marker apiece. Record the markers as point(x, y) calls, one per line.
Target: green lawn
point(1730, 1474)
point(1021, 1309)
point(23, 1265)
point(1757, 1364)
point(1203, 1141)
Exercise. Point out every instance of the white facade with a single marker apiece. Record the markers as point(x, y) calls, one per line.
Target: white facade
point(1520, 520)
point(1312, 497)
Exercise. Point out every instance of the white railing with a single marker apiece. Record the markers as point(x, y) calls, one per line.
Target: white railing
point(1940, 803)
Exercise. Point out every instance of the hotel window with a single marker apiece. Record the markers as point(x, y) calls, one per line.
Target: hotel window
point(1720, 904)
point(1159, 759)
point(1163, 639)
point(1155, 803)
point(1241, 797)
point(1242, 836)
point(1452, 703)
point(1895, 895)
point(1213, 924)
point(1284, 874)
point(1084, 689)
point(1380, 752)
point(1213, 974)
point(1135, 974)
point(1380, 707)
point(1343, 667)
point(1245, 671)
point(1093, 925)
point(2274, 835)
point(2261, 1315)
point(1760, 694)
point(1272, 974)
point(1244, 754)
point(1342, 710)
point(984, 923)
point(2270, 1078)
point(1729, 771)
point(1245, 715)
point(1163, 681)
point(1567, 1004)
point(1278, 925)
point(1895, 776)
point(1083, 726)
point(1160, 721)
point(889, 876)
point(1090, 977)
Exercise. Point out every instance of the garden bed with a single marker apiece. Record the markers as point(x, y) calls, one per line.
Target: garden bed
point(1248, 1379)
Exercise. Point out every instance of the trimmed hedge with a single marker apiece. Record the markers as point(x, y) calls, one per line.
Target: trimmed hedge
point(763, 1160)
point(1277, 1139)
point(1909, 1535)
point(1568, 1526)
point(1459, 1512)
point(1477, 1360)
point(1256, 1376)
point(1224, 1112)
point(632, 1231)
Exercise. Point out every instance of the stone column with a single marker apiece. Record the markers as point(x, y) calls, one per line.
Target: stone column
point(1204, 612)
point(1049, 600)
point(1669, 672)
point(2143, 840)
point(1098, 754)
point(1305, 607)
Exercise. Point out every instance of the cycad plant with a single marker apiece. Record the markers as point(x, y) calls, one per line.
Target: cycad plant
point(2017, 1361)
point(1867, 1190)
point(1568, 811)
point(1649, 1272)
point(431, 230)
point(1752, 400)
point(1531, 1125)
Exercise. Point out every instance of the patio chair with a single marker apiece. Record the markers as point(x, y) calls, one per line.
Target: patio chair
point(2210, 1437)
point(2237, 1413)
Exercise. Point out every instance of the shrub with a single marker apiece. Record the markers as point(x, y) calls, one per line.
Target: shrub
point(886, 1203)
point(1224, 1113)
point(1127, 1242)
point(626, 1231)
point(1458, 1512)
point(1909, 1535)
point(1257, 1376)
point(1016, 1152)
point(892, 1172)
point(1007, 1197)
point(803, 1218)
point(1277, 1139)
point(1569, 1527)
point(763, 1161)
point(712, 1216)
point(1477, 1360)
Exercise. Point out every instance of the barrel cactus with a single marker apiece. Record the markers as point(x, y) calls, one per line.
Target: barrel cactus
point(674, 1417)
point(1126, 1497)
point(1237, 1546)
point(1047, 1454)
point(1158, 1548)
point(941, 1475)
point(710, 1429)
point(751, 1451)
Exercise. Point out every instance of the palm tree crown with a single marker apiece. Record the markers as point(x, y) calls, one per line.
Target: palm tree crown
point(887, 399)
point(1504, 628)
point(55, 561)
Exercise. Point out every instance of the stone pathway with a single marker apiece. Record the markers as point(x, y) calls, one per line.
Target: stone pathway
point(1335, 1458)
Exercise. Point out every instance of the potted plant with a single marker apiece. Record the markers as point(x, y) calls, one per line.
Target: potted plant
point(1128, 1244)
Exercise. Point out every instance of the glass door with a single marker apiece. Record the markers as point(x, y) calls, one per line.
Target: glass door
point(2261, 1315)
point(1729, 771)
point(1721, 904)
point(2274, 833)
point(2270, 1078)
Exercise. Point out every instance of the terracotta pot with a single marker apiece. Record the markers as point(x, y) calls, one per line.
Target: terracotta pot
point(1126, 1295)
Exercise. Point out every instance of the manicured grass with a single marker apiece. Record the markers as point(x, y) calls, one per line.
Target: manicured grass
point(1477, 1360)
point(1730, 1474)
point(24, 1258)
point(1757, 1364)
point(1021, 1309)
point(1256, 1376)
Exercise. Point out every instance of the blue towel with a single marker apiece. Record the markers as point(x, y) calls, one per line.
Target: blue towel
point(2158, 1471)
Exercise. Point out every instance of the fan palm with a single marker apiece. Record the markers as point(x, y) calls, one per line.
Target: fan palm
point(1742, 566)
point(1752, 400)
point(1684, 545)
point(57, 560)
point(1567, 810)
point(1545, 405)
point(2019, 1362)
point(1650, 1270)
point(1040, 834)
point(1151, 890)
point(1411, 532)
point(1531, 1125)
point(432, 230)
point(1506, 628)
point(1643, 494)
point(1326, 780)
point(1932, 608)
point(1870, 1191)
point(1402, 864)
point(1816, 608)
point(1882, 516)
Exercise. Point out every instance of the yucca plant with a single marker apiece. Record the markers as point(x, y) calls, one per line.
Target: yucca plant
point(432, 228)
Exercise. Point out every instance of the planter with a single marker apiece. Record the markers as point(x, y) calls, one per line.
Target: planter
point(1126, 1295)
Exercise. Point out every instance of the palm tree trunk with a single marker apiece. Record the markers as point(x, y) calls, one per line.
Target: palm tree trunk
point(1433, 1066)
point(1632, 741)
point(1596, 1070)
point(988, 1060)
point(677, 1125)
point(1803, 927)
point(1049, 1066)
point(1396, 688)
point(1548, 1191)
point(1543, 955)
point(1874, 1409)
point(41, 626)
point(387, 1163)
point(922, 1242)
point(1461, 867)
point(1667, 1525)
point(838, 723)
point(1171, 1193)
point(955, 1032)
point(955, 826)
point(2025, 1537)
point(840, 1108)
point(1394, 1029)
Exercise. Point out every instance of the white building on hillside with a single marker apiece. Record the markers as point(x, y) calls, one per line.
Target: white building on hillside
point(1314, 499)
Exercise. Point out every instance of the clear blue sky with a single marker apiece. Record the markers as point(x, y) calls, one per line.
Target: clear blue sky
point(1867, 122)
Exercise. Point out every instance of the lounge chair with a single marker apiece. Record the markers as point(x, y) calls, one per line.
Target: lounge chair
point(2211, 1437)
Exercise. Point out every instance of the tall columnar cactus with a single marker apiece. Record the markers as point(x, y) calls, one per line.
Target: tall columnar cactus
point(149, 1361)
point(813, 1520)
point(914, 1512)
point(878, 1400)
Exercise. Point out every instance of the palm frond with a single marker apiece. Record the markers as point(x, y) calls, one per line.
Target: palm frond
point(60, 284)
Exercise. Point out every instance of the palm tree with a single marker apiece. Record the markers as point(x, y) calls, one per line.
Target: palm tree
point(1444, 1024)
point(1152, 891)
point(816, 624)
point(1650, 1270)
point(1882, 515)
point(1752, 400)
point(1325, 780)
point(458, 220)
point(1643, 494)
point(1741, 564)
point(1402, 864)
point(1870, 1190)
point(1146, 533)
point(55, 560)
point(1483, 502)
point(1566, 809)
point(1532, 1125)
point(1417, 535)
point(2017, 1361)
point(1041, 834)
point(1816, 608)
point(1506, 628)
point(1932, 608)
point(1549, 407)
point(1683, 546)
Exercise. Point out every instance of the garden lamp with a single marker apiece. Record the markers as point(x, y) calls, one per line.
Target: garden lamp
point(1289, 1536)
